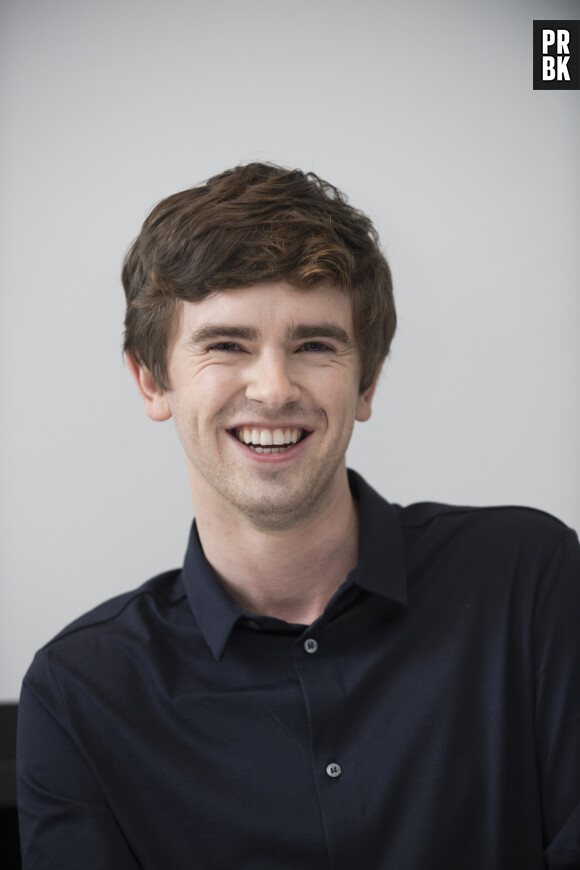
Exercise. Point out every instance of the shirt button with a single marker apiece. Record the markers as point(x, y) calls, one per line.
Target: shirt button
point(310, 645)
point(252, 624)
point(334, 770)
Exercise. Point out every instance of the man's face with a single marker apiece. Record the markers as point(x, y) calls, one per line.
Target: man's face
point(265, 392)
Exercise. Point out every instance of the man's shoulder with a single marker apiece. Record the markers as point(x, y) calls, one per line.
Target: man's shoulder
point(124, 611)
point(512, 517)
point(487, 534)
point(108, 649)
point(432, 518)
point(493, 530)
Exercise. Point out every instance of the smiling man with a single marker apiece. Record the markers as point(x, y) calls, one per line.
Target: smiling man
point(330, 681)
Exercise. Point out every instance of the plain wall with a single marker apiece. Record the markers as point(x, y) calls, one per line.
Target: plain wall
point(423, 112)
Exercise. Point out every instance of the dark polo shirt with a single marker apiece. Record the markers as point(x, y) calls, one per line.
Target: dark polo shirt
point(428, 720)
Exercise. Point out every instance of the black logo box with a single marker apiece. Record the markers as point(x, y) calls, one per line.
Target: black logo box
point(573, 64)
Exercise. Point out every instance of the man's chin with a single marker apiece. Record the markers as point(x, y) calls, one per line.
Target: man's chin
point(273, 499)
point(274, 515)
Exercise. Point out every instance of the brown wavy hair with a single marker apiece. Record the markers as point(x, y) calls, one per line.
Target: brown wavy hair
point(254, 224)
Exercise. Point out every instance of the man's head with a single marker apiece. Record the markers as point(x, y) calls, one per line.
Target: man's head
point(255, 224)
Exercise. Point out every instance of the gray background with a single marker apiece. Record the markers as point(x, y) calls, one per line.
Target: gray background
point(423, 112)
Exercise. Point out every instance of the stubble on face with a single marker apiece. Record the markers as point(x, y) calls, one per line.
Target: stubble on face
point(273, 499)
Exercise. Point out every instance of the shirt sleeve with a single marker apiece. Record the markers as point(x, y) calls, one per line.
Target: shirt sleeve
point(63, 817)
point(557, 703)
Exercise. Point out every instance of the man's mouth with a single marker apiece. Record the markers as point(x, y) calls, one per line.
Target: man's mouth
point(269, 440)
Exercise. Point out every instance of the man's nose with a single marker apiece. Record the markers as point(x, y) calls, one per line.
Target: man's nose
point(270, 381)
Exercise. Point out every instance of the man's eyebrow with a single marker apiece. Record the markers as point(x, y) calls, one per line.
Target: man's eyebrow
point(212, 332)
point(297, 332)
point(303, 331)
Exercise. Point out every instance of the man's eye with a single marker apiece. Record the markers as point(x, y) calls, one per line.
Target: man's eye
point(315, 347)
point(225, 346)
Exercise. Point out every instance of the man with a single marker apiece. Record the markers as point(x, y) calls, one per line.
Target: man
point(330, 681)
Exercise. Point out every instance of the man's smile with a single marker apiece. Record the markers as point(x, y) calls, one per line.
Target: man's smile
point(266, 440)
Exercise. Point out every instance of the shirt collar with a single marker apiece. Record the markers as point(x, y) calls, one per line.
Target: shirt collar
point(381, 547)
point(216, 611)
point(380, 569)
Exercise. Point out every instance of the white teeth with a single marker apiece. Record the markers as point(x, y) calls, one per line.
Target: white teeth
point(268, 437)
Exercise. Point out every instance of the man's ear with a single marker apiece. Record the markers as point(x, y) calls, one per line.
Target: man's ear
point(365, 400)
point(155, 399)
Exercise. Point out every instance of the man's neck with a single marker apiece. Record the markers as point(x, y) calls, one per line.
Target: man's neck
point(290, 574)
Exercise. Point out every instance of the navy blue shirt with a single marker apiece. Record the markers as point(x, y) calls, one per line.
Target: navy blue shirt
point(428, 720)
